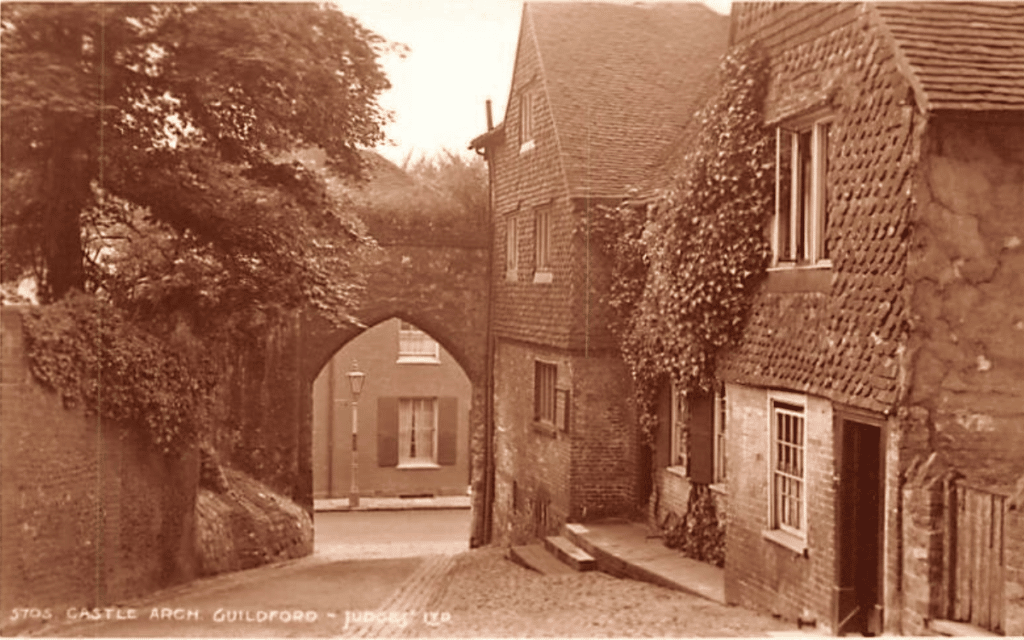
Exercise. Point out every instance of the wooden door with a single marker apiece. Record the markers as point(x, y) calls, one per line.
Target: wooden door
point(858, 520)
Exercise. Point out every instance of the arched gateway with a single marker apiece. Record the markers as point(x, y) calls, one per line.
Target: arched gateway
point(438, 282)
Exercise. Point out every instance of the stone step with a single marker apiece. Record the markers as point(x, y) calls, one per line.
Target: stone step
point(569, 553)
point(536, 557)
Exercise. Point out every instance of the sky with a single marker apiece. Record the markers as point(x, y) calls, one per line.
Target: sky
point(461, 53)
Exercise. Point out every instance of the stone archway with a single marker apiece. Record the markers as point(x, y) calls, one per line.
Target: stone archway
point(442, 288)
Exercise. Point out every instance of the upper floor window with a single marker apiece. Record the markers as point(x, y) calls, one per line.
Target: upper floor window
point(415, 345)
point(799, 236)
point(511, 248)
point(542, 244)
point(525, 121)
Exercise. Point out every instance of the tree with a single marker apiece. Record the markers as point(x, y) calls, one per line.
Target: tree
point(147, 152)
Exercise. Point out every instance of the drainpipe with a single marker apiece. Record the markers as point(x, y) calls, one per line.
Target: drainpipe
point(488, 507)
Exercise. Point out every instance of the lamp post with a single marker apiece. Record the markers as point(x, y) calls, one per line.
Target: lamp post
point(355, 384)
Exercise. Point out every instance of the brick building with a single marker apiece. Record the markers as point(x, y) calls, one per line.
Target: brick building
point(875, 408)
point(413, 415)
point(598, 93)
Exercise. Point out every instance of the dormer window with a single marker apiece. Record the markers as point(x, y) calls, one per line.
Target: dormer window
point(525, 121)
point(799, 235)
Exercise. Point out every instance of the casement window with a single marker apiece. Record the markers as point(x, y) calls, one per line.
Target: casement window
point(512, 248)
point(799, 235)
point(679, 451)
point(542, 244)
point(788, 480)
point(416, 346)
point(697, 423)
point(545, 378)
point(417, 432)
point(718, 473)
point(526, 107)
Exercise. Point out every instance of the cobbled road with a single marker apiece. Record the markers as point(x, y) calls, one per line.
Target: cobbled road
point(429, 588)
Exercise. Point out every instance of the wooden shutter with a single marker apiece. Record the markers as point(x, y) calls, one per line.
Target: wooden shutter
point(701, 426)
point(447, 430)
point(387, 432)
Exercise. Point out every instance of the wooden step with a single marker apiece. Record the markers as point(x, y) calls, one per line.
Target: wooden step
point(569, 553)
point(536, 557)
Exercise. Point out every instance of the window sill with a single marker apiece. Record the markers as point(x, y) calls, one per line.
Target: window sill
point(794, 543)
point(527, 146)
point(418, 465)
point(546, 428)
point(793, 278)
point(543, 277)
point(418, 360)
point(721, 488)
point(679, 471)
point(511, 276)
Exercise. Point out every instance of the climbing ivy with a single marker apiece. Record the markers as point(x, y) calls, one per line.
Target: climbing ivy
point(94, 357)
point(687, 258)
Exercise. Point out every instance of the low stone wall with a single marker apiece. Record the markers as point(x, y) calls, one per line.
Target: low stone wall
point(242, 524)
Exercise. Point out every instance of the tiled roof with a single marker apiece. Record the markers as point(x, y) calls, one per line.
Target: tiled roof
point(961, 56)
point(622, 82)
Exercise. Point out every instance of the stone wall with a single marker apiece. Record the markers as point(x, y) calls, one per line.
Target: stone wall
point(91, 514)
point(966, 267)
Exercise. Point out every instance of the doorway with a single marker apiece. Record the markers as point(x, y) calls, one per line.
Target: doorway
point(859, 531)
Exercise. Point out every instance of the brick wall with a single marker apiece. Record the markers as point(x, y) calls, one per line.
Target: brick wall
point(606, 469)
point(376, 351)
point(90, 514)
point(760, 573)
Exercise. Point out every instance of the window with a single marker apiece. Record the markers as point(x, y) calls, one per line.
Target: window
point(801, 197)
point(679, 455)
point(788, 512)
point(511, 249)
point(525, 121)
point(542, 245)
point(417, 431)
point(416, 346)
point(718, 475)
point(545, 376)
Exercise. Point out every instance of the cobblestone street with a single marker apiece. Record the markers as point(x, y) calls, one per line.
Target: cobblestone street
point(487, 595)
point(409, 574)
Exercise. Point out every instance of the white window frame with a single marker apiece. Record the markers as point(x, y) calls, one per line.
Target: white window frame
point(794, 406)
point(416, 346)
point(678, 453)
point(407, 430)
point(526, 123)
point(542, 237)
point(545, 390)
point(512, 248)
point(719, 474)
point(807, 203)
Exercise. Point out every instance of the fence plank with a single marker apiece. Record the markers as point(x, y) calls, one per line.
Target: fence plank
point(980, 600)
point(998, 563)
point(962, 604)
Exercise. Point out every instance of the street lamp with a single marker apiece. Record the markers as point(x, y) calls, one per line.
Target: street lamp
point(355, 384)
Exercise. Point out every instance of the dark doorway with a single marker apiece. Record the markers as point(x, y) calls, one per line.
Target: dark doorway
point(858, 607)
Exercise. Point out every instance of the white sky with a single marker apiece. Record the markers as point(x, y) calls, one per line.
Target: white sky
point(461, 54)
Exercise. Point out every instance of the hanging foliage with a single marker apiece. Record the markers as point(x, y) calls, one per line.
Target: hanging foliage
point(687, 259)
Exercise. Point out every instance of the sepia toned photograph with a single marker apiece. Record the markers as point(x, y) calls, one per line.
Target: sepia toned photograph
point(506, 318)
